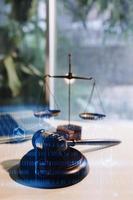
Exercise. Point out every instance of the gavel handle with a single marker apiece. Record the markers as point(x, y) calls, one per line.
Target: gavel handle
point(94, 142)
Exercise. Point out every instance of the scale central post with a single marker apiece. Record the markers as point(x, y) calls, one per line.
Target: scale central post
point(70, 131)
point(69, 90)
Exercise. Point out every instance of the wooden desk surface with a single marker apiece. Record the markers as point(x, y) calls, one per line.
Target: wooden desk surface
point(111, 169)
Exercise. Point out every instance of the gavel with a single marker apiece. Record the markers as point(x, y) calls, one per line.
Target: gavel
point(56, 142)
point(53, 163)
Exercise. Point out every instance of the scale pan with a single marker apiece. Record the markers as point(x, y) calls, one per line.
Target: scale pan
point(91, 116)
point(54, 113)
point(46, 113)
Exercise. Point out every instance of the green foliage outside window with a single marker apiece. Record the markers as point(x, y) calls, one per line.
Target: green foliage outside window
point(22, 41)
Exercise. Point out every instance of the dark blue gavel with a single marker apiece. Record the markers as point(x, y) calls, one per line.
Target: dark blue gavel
point(56, 142)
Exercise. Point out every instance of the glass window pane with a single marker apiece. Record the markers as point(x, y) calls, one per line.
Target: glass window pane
point(99, 36)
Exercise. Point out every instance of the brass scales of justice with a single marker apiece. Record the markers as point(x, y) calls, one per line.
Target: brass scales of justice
point(53, 162)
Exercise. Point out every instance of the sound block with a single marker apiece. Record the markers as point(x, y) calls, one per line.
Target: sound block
point(59, 170)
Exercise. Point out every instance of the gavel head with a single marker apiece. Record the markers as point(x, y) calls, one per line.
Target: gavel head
point(49, 141)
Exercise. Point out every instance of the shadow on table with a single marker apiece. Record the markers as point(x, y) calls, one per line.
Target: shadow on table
point(7, 164)
point(12, 167)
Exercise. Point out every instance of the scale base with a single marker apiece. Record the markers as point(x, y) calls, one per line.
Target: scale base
point(68, 169)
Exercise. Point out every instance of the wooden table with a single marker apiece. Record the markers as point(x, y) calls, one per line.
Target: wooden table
point(111, 169)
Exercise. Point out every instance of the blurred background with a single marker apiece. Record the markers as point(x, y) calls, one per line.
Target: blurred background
point(98, 34)
point(22, 50)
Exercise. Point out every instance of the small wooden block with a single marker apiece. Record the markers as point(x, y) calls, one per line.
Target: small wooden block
point(70, 132)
